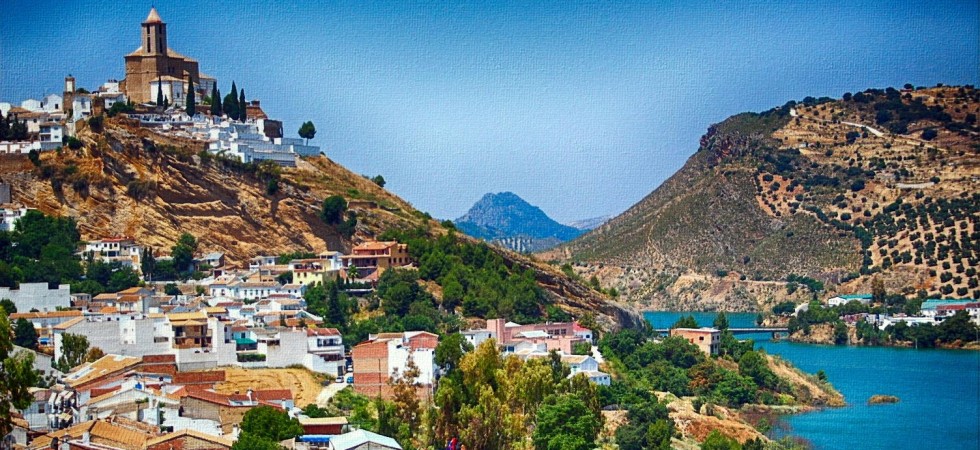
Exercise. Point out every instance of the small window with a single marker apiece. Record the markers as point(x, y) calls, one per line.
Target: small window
point(700, 338)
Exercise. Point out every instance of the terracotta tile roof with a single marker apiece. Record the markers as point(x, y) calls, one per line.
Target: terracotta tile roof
point(68, 323)
point(129, 438)
point(45, 315)
point(177, 317)
point(375, 245)
point(322, 332)
point(166, 358)
point(110, 434)
point(187, 432)
point(209, 377)
point(270, 395)
point(323, 421)
point(108, 364)
point(130, 291)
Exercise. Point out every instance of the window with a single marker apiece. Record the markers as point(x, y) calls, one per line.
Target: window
point(700, 338)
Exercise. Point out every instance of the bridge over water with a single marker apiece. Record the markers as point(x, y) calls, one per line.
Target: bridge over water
point(774, 330)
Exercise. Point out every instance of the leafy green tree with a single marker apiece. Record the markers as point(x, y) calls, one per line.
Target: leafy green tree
point(17, 374)
point(124, 278)
point(754, 365)
point(379, 180)
point(171, 289)
point(840, 333)
point(718, 441)
point(784, 308)
point(878, 293)
point(8, 306)
point(685, 322)
point(721, 321)
point(565, 423)
point(659, 434)
point(957, 328)
point(191, 100)
point(451, 350)
point(270, 423)
point(215, 101)
point(336, 308)
point(74, 347)
point(25, 335)
point(333, 209)
point(307, 131)
point(183, 252)
point(249, 441)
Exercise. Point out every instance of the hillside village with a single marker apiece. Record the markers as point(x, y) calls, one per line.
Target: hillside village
point(233, 291)
point(149, 366)
point(158, 92)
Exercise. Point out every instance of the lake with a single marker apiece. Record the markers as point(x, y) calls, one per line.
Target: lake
point(939, 392)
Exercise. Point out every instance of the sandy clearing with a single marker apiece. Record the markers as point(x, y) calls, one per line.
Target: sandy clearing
point(304, 384)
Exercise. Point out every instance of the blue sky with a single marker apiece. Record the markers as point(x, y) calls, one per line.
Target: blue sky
point(581, 108)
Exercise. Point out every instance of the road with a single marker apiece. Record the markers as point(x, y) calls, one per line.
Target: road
point(328, 392)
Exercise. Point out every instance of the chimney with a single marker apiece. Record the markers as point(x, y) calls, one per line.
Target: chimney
point(249, 394)
point(86, 436)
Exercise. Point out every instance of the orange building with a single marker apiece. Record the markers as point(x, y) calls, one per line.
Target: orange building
point(381, 255)
point(707, 339)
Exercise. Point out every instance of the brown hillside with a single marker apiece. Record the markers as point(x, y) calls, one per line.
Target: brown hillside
point(883, 184)
point(132, 181)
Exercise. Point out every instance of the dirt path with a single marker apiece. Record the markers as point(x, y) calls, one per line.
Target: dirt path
point(328, 392)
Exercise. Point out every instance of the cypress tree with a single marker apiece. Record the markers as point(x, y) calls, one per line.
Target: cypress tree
point(4, 128)
point(191, 106)
point(242, 106)
point(215, 101)
point(231, 103)
point(159, 91)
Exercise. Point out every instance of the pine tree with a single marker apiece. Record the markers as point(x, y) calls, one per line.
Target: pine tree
point(242, 109)
point(191, 103)
point(159, 91)
point(215, 101)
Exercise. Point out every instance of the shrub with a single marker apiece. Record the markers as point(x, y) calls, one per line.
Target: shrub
point(96, 123)
point(140, 189)
point(74, 143)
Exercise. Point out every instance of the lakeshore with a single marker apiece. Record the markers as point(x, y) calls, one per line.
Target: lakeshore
point(931, 383)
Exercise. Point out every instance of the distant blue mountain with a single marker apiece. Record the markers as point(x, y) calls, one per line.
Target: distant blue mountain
point(508, 220)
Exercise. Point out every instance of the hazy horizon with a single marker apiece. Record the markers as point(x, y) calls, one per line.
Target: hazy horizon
point(581, 109)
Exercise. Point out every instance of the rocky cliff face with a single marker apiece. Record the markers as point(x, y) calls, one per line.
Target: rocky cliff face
point(881, 184)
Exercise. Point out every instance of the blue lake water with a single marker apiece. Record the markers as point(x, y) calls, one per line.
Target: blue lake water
point(939, 392)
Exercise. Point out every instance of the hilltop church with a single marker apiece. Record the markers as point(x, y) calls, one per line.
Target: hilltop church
point(154, 64)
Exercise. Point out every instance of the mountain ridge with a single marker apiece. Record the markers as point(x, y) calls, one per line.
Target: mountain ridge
point(879, 184)
point(508, 220)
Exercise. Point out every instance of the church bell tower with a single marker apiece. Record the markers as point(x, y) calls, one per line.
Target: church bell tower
point(154, 34)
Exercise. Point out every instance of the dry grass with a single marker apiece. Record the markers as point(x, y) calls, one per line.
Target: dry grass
point(305, 385)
